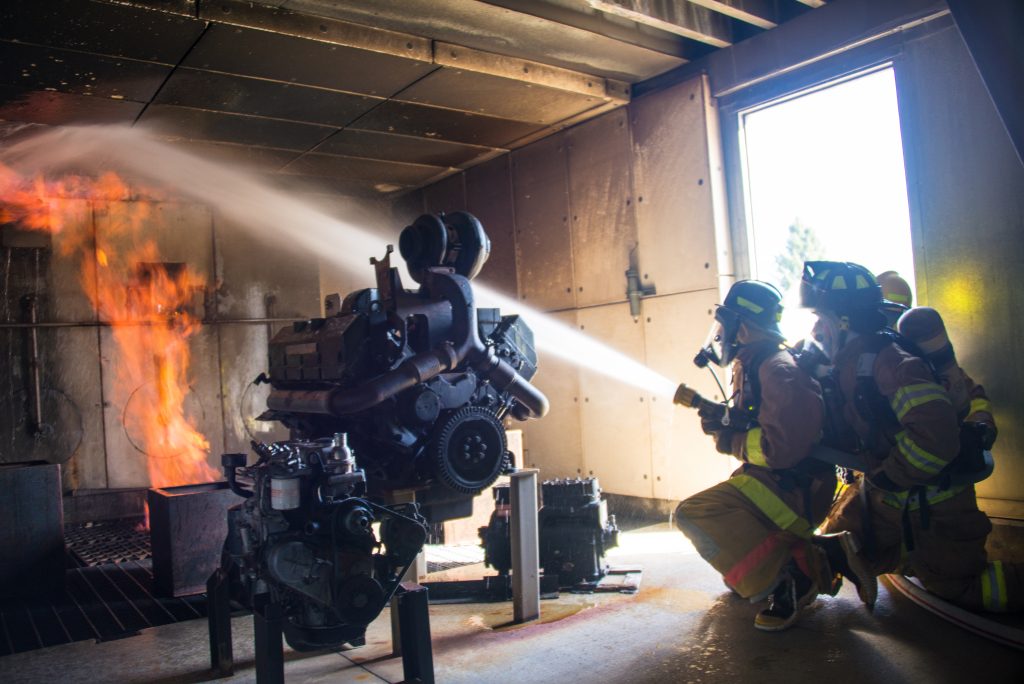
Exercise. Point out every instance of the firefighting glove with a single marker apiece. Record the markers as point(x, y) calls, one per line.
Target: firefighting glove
point(724, 440)
point(711, 421)
point(986, 433)
point(710, 425)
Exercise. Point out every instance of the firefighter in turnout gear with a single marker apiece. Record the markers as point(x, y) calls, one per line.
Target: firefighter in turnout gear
point(924, 327)
point(896, 296)
point(914, 510)
point(757, 527)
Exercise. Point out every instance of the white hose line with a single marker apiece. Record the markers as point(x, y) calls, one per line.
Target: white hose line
point(972, 622)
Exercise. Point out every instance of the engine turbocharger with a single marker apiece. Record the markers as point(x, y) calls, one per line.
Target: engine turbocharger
point(396, 403)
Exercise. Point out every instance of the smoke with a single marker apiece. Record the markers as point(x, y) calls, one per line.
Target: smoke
point(292, 222)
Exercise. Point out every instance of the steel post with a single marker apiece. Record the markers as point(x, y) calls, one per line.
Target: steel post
point(525, 546)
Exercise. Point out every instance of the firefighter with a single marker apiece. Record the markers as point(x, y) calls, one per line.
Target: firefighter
point(896, 296)
point(908, 511)
point(925, 328)
point(757, 527)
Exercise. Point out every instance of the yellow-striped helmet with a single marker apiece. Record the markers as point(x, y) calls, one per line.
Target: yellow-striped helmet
point(756, 302)
point(839, 287)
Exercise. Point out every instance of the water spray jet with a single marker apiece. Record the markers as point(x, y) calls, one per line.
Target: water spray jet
point(292, 222)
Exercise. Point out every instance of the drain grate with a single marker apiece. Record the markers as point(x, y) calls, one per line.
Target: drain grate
point(102, 602)
point(102, 543)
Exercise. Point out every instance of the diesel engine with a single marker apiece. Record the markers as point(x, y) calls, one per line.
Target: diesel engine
point(396, 403)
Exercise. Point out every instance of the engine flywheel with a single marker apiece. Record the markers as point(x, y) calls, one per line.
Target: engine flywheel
point(469, 450)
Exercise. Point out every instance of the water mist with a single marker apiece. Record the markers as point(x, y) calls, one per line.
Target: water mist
point(274, 215)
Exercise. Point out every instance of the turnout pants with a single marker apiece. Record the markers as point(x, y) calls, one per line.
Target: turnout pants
point(754, 525)
point(945, 549)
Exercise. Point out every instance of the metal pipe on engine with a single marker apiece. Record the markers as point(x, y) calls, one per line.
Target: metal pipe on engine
point(440, 283)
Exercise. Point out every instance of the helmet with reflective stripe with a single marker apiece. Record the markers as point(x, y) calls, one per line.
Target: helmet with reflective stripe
point(839, 287)
point(756, 302)
point(895, 289)
point(844, 289)
point(896, 296)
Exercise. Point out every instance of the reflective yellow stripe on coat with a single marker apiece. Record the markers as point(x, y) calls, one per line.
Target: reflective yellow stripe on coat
point(923, 460)
point(910, 397)
point(993, 587)
point(769, 503)
point(753, 452)
point(932, 494)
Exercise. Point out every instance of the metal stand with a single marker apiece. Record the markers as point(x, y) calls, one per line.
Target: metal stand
point(410, 624)
point(219, 617)
point(266, 625)
point(410, 604)
point(525, 547)
point(266, 618)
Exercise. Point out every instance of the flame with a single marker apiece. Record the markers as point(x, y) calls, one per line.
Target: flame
point(150, 306)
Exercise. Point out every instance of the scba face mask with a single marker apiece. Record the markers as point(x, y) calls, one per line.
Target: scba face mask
point(721, 346)
point(829, 335)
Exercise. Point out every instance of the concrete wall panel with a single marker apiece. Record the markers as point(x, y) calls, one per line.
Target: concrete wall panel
point(674, 186)
point(613, 414)
point(552, 443)
point(543, 241)
point(76, 376)
point(603, 222)
point(967, 212)
point(684, 460)
point(246, 348)
point(446, 195)
point(489, 198)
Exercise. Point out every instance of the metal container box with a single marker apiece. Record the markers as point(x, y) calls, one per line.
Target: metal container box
point(32, 533)
point(188, 525)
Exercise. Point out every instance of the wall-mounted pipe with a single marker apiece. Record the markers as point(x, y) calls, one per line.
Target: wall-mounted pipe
point(31, 303)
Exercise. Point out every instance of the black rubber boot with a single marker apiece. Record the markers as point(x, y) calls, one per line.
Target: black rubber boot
point(793, 594)
point(843, 558)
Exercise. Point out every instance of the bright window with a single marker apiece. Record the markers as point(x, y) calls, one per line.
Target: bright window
point(825, 179)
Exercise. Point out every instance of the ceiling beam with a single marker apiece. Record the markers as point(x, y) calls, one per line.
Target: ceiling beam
point(761, 13)
point(682, 18)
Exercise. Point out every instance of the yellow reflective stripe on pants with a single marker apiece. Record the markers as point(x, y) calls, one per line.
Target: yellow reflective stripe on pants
point(993, 587)
point(752, 449)
point(912, 396)
point(769, 503)
point(928, 463)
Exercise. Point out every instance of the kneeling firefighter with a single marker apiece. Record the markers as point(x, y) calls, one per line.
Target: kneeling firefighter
point(757, 527)
point(914, 510)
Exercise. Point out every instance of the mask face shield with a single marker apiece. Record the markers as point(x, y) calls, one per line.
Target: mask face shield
point(720, 347)
point(827, 335)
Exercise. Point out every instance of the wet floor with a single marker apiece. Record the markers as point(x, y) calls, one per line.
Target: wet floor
point(682, 626)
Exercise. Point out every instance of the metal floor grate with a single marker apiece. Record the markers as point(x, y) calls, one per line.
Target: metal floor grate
point(114, 541)
point(102, 602)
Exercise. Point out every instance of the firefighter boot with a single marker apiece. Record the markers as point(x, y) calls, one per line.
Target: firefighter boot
point(795, 592)
point(843, 558)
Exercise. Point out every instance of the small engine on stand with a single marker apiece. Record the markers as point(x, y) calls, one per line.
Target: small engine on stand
point(574, 531)
point(396, 403)
point(305, 538)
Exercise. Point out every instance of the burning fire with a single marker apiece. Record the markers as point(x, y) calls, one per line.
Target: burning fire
point(150, 305)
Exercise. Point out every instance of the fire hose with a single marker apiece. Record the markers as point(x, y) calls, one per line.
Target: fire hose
point(972, 622)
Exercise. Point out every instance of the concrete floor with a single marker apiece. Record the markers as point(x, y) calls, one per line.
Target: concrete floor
point(683, 626)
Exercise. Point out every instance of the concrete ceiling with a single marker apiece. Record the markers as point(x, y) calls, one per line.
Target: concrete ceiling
point(356, 96)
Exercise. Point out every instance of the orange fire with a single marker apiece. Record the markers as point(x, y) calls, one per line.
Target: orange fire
point(150, 305)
